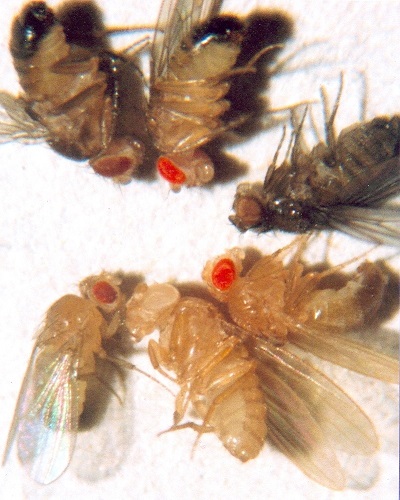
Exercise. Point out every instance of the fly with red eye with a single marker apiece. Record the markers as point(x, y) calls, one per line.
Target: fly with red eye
point(238, 373)
point(70, 81)
point(194, 54)
point(53, 394)
point(278, 299)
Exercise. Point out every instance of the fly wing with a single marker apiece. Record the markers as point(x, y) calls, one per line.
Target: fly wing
point(175, 22)
point(379, 225)
point(349, 354)
point(16, 124)
point(46, 416)
point(294, 431)
point(309, 414)
point(383, 183)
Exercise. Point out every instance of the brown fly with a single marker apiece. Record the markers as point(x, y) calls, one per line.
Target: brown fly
point(342, 184)
point(193, 58)
point(53, 392)
point(212, 367)
point(70, 82)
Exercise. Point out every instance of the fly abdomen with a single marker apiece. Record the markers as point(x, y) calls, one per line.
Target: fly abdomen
point(363, 151)
point(220, 29)
point(28, 29)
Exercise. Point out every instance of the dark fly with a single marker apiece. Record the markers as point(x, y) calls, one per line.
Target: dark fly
point(343, 184)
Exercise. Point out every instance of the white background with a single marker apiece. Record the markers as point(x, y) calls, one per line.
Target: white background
point(60, 223)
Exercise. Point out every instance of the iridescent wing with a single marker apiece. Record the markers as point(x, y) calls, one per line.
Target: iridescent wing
point(16, 124)
point(175, 22)
point(46, 416)
point(309, 416)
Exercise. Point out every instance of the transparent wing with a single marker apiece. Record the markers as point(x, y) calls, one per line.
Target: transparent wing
point(349, 354)
point(46, 416)
point(309, 414)
point(16, 124)
point(383, 183)
point(380, 225)
point(175, 22)
point(294, 431)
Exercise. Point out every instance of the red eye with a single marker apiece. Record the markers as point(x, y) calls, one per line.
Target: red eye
point(104, 292)
point(170, 172)
point(224, 274)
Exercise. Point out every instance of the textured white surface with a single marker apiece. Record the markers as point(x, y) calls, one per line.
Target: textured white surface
point(60, 223)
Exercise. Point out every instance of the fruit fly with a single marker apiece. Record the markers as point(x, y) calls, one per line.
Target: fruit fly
point(275, 305)
point(193, 58)
point(342, 184)
point(210, 364)
point(286, 304)
point(70, 82)
point(301, 411)
point(53, 393)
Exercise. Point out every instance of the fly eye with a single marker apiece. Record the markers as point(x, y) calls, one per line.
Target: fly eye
point(111, 167)
point(248, 211)
point(170, 172)
point(223, 274)
point(104, 293)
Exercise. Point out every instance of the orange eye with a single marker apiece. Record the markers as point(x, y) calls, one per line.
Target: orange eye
point(104, 292)
point(224, 274)
point(170, 172)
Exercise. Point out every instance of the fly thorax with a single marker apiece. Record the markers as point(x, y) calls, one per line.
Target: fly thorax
point(289, 215)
